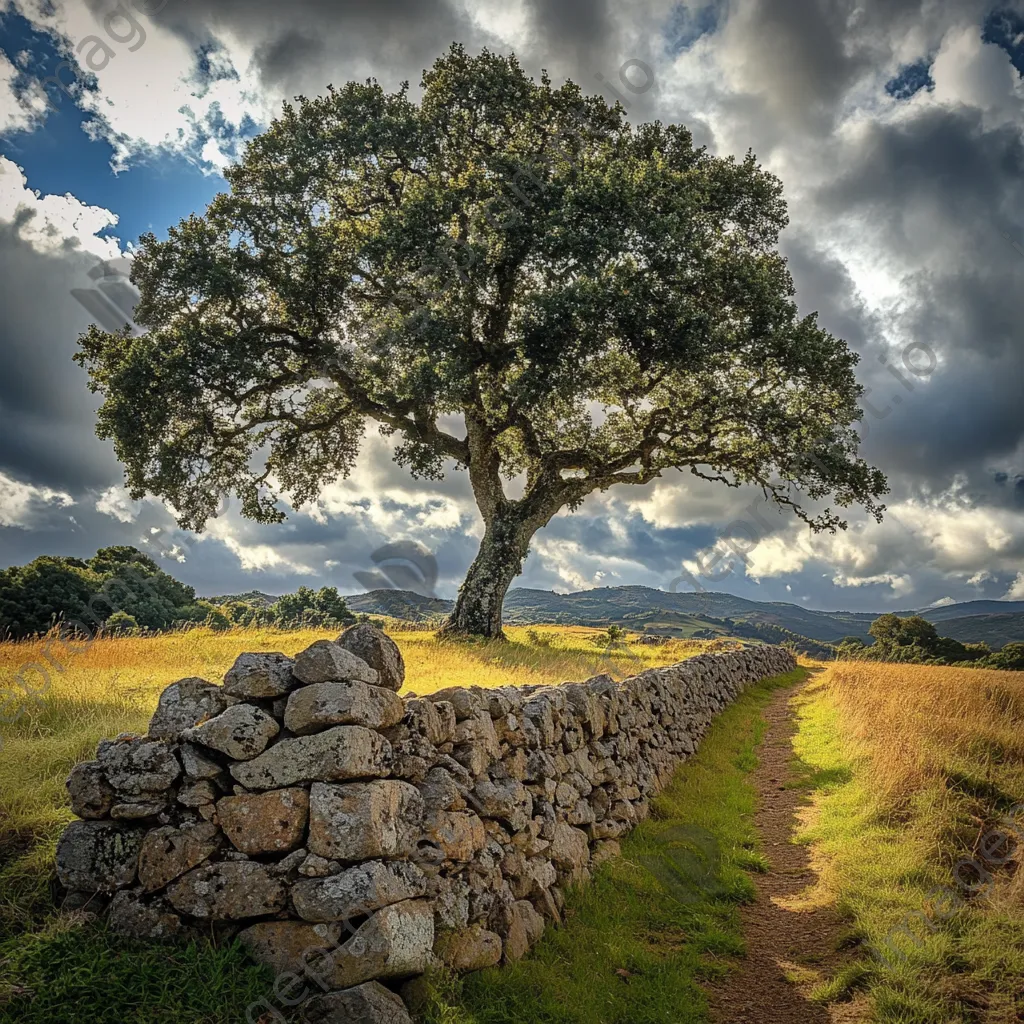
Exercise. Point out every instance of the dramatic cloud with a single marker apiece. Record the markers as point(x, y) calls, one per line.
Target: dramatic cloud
point(21, 503)
point(22, 99)
point(896, 126)
point(145, 88)
point(116, 502)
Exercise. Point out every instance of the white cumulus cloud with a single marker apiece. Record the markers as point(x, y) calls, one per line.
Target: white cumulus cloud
point(52, 224)
point(115, 502)
point(21, 503)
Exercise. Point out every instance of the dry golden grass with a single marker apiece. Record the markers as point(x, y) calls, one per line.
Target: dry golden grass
point(917, 826)
point(919, 723)
point(59, 699)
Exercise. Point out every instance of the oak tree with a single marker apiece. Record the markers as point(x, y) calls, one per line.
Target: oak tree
point(505, 277)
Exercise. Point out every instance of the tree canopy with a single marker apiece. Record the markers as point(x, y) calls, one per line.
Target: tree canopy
point(306, 608)
point(914, 639)
point(120, 589)
point(505, 276)
point(84, 593)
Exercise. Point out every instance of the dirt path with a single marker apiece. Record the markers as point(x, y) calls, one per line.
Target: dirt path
point(789, 950)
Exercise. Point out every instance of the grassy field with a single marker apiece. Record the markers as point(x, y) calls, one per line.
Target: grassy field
point(92, 691)
point(60, 700)
point(917, 826)
point(914, 776)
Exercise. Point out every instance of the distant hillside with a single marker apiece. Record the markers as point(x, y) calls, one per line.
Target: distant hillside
point(994, 630)
point(687, 614)
point(400, 604)
point(969, 608)
point(680, 614)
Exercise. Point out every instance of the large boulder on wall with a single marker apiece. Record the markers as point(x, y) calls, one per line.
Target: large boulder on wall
point(378, 650)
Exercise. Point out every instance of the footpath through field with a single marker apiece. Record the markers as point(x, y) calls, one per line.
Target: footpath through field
point(789, 949)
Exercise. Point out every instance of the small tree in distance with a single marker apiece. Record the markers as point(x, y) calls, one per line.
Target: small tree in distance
point(120, 623)
point(507, 278)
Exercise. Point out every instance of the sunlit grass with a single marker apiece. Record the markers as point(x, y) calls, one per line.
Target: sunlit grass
point(60, 699)
point(915, 768)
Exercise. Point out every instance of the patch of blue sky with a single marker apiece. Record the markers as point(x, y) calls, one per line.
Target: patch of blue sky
point(910, 80)
point(62, 155)
point(1005, 28)
point(688, 22)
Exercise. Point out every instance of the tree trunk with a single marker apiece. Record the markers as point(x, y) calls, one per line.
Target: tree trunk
point(499, 561)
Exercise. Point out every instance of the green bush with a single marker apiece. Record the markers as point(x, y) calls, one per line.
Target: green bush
point(612, 635)
point(1011, 657)
point(217, 620)
point(121, 623)
point(323, 608)
point(914, 641)
point(86, 594)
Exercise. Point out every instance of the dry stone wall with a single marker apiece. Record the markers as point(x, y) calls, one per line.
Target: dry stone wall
point(352, 838)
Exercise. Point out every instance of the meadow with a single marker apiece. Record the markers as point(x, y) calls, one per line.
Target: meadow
point(916, 826)
point(60, 699)
point(914, 786)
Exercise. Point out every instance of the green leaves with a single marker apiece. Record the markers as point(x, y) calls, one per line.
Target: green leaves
point(598, 302)
point(84, 594)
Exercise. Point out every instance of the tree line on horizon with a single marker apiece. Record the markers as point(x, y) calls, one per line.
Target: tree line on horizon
point(914, 640)
point(121, 590)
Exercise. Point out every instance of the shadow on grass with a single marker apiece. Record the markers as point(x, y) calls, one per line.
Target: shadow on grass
point(814, 779)
point(969, 784)
point(74, 972)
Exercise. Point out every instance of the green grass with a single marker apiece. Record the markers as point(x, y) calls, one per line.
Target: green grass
point(654, 924)
point(920, 958)
point(71, 974)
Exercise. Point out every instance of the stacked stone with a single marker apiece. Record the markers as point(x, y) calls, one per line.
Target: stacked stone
point(349, 836)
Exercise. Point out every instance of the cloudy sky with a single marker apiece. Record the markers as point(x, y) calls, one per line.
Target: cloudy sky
point(895, 125)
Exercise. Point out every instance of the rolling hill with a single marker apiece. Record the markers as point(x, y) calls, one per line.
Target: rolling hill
point(994, 630)
point(968, 609)
point(663, 611)
point(644, 609)
point(686, 615)
point(401, 604)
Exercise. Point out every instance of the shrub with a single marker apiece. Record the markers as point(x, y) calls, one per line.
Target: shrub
point(217, 620)
point(121, 623)
point(1011, 657)
point(323, 608)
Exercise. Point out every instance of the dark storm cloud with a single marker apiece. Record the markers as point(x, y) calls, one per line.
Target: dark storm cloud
point(47, 415)
point(823, 285)
point(632, 539)
point(935, 193)
point(305, 45)
point(577, 39)
point(308, 44)
point(563, 26)
point(797, 51)
point(941, 163)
